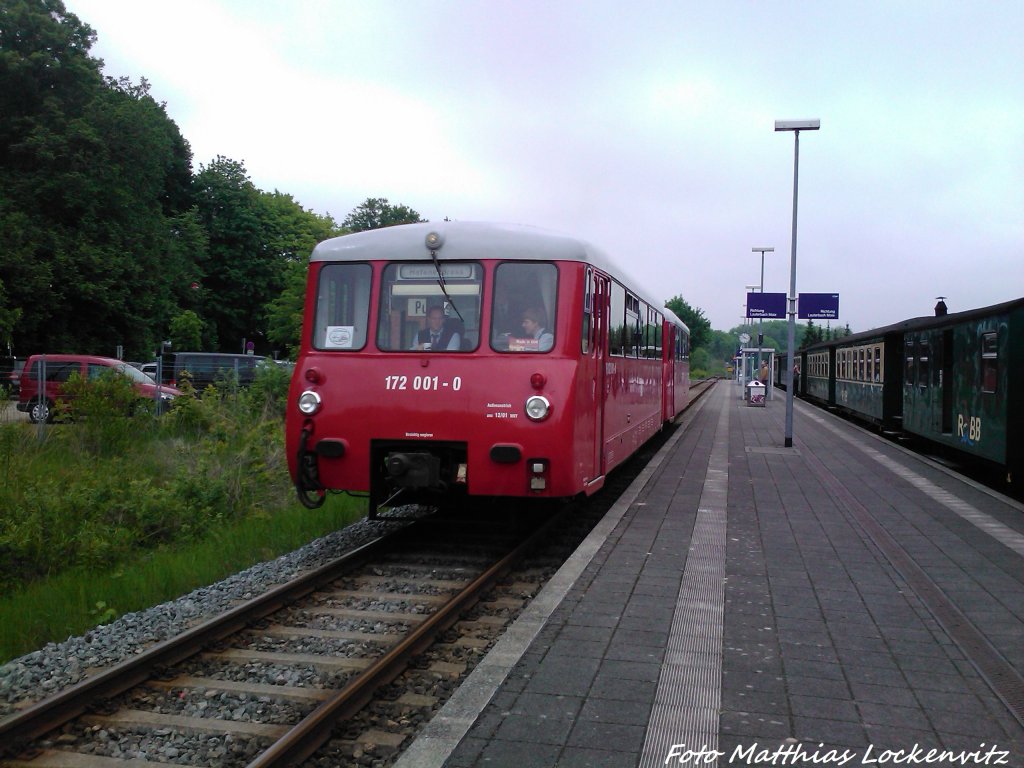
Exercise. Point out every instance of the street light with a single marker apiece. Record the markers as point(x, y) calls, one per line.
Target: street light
point(795, 126)
point(760, 289)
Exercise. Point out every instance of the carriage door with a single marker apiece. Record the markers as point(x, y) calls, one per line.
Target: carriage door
point(946, 380)
point(668, 353)
point(597, 296)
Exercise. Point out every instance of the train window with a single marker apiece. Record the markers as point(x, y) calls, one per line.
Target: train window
point(523, 319)
point(878, 365)
point(631, 329)
point(989, 362)
point(616, 327)
point(654, 324)
point(342, 306)
point(908, 371)
point(923, 364)
point(422, 310)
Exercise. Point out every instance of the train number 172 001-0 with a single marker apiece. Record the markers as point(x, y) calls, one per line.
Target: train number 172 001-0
point(422, 383)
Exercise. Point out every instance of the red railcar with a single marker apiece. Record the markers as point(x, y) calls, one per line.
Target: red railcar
point(448, 360)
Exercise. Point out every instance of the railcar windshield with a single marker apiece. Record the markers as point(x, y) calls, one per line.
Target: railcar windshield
point(523, 318)
point(430, 308)
point(342, 307)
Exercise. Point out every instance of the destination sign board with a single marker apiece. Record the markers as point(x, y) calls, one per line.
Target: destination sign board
point(766, 305)
point(818, 306)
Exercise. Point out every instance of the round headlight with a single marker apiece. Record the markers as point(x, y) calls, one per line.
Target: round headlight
point(538, 408)
point(309, 402)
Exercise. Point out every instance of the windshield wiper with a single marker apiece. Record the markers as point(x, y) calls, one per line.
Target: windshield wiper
point(444, 288)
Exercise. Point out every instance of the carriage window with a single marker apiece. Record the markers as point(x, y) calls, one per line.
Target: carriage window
point(878, 365)
point(421, 310)
point(616, 329)
point(989, 362)
point(923, 365)
point(525, 297)
point(342, 306)
point(908, 373)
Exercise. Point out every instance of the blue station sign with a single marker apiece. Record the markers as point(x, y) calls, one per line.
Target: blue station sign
point(766, 305)
point(818, 306)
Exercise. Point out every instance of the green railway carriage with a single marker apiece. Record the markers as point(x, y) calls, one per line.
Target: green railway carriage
point(964, 379)
point(955, 379)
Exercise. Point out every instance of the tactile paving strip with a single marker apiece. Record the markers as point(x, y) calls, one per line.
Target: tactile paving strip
point(689, 693)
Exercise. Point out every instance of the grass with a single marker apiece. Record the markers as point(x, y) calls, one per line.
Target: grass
point(70, 603)
point(114, 512)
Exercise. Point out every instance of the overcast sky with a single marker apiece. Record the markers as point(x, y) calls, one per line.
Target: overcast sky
point(644, 127)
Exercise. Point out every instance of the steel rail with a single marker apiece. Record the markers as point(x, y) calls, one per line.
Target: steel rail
point(52, 712)
point(314, 730)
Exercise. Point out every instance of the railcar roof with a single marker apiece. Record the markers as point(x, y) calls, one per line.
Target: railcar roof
point(472, 240)
point(922, 323)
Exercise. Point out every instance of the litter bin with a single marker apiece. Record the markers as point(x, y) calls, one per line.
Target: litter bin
point(755, 394)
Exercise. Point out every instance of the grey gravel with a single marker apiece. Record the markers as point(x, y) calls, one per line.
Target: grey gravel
point(59, 665)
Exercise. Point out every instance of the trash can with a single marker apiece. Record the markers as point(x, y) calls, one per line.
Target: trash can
point(755, 394)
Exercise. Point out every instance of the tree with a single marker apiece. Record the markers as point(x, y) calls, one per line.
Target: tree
point(376, 213)
point(812, 335)
point(186, 331)
point(90, 171)
point(699, 325)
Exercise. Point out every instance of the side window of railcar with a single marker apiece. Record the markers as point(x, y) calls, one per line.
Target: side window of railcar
point(342, 307)
point(420, 310)
point(909, 369)
point(525, 303)
point(653, 334)
point(923, 364)
point(616, 321)
point(989, 362)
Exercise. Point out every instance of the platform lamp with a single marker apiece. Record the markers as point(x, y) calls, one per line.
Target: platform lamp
point(760, 289)
point(795, 126)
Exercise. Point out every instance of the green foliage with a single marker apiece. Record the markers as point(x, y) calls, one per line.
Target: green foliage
point(700, 363)
point(104, 408)
point(377, 212)
point(77, 599)
point(102, 489)
point(699, 325)
point(187, 331)
point(92, 173)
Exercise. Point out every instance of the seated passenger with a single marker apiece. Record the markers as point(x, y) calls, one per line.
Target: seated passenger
point(533, 325)
point(437, 335)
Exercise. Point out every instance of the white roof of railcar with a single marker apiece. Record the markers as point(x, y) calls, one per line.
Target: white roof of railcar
point(473, 240)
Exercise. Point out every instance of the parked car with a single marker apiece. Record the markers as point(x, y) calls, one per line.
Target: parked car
point(207, 368)
point(39, 393)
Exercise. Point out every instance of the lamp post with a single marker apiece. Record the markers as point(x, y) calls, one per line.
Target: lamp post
point(760, 289)
point(795, 126)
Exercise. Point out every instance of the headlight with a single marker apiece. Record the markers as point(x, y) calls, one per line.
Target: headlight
point(537, 408)
point(309, 402)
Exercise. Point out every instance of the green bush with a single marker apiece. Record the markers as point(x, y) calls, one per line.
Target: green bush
point(106, 485)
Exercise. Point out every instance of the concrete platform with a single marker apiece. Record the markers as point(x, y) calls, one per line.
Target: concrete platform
point(841, 602)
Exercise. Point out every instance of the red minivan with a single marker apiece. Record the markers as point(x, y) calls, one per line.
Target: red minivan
point(39, 402)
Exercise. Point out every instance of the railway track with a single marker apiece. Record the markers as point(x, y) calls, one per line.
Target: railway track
point(265, 683)
point(394, 625)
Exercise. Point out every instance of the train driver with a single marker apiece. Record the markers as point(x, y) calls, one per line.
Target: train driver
point(534, 326)
point(437, 335)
